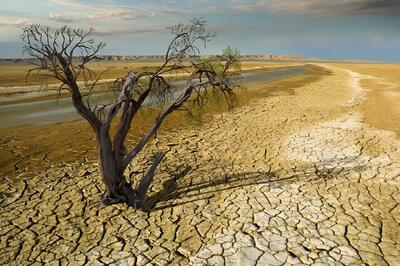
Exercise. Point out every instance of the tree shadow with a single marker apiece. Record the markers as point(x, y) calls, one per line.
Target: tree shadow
point(176, 191)
point(182, 189)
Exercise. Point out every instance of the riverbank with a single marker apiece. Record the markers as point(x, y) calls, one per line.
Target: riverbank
point(17, 88)
point(50, 111)
point(297, 177)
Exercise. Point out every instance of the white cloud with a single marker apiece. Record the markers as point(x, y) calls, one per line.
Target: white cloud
point(60, 18)
point(94, 12)
point(110, 9)
point(19, 23)
point(76, 4)
point(114, 15)
point(128, 31)
point(70, 17)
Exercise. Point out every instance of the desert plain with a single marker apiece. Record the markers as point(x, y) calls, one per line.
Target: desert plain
point(304, 170)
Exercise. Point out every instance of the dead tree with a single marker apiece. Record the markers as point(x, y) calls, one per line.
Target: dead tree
point(64, 54)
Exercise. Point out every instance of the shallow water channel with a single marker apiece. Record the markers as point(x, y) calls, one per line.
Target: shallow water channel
point(53, 111)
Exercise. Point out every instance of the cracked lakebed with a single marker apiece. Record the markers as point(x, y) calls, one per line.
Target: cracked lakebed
point(293, 179)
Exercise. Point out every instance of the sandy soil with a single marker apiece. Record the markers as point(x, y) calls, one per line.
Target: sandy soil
point(382, 86)
point(300, 177)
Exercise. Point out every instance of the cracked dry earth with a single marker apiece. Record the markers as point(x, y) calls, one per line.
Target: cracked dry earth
point(288, 180)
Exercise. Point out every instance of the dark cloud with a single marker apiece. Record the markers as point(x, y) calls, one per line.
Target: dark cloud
point(324, 7)
point(378, 6)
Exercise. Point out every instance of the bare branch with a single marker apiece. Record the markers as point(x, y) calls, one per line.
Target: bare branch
point(54, 52)
point(147, 179)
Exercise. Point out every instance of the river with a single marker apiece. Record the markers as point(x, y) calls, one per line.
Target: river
point(53, 111)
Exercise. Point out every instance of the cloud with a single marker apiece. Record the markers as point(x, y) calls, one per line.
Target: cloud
point(60, 18)
point(112, 9)
point(95, 12)
point(321, 7)
point(75, 4)
point(19, 23)
point(127, 31)
point(70, 17)
point(114, 15)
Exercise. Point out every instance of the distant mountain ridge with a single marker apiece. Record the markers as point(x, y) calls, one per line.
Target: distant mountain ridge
point(276, 57)
point(121, 58)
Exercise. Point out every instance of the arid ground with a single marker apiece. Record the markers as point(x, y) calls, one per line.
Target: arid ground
point(305, 170)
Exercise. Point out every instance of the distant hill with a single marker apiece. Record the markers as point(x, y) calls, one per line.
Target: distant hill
point(107, 58)
point(276, 57)
point(122, 58)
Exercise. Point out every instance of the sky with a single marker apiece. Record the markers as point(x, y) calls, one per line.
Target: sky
point(328, 29)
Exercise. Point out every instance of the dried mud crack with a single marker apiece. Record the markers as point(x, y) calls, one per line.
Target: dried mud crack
point(291, 179)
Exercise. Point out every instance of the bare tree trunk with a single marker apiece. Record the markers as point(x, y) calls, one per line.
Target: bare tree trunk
point(118, 190)
point(115, 193)
point(106, 162)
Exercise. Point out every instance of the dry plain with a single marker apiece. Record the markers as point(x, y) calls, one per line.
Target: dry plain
point(305, 170)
